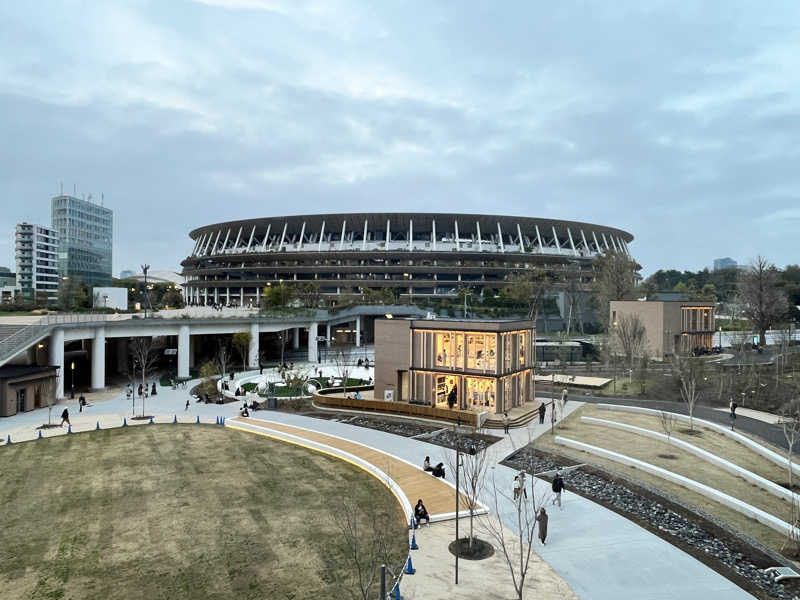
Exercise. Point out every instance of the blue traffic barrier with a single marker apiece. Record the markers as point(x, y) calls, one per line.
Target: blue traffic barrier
point(151, 421)
point(396, 592)
point(198, 419)
point(413, 523)
point(410, 570)
point(97, 427)
point(174, 419)
point(8, 441)
point(40, 435)
point(69, 428)
point(414, 542)
point(124, 421)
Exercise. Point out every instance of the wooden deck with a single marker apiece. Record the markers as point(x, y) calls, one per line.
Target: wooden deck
point(438, 496)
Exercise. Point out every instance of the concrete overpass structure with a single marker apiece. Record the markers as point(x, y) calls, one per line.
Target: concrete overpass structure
point(36, 341)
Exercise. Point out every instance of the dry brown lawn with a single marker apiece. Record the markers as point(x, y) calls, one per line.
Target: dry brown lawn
point(686, 464)
point(177, 511)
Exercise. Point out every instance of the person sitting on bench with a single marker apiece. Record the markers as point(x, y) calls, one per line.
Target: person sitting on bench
point(438, 470)
point(426, 464)
point(420, 512)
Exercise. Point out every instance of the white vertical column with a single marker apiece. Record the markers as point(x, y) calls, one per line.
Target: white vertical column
point(312, 343)
point(241, 296)
point(328, 336)
point(56, 359)
point(192, 349)
point(250, 241)
point(302, 233)
point(364, 241)
point(433, 234)
point(500, 237)
point(266, 238)
point(321, 235)
point(99, 359)
point(252, 350)
point(225, 243)
point(519, 238)
point(555, 237)
point(410, 234)
point(358, 331)
point(183, 351)
point(388, 234)
point(458, 244)
point(571, 242)
point(296, 338)
point(341, 237)
point(480, 241)
point(597, 247)
point(238, 238)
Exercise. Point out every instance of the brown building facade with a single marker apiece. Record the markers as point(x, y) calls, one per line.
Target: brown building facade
point(485, 366)
point(25, 387)
point(672, 327)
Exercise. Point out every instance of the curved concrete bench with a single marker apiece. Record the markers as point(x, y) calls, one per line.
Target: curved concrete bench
point(726, 465)
point(770, 455)
point(748, 510)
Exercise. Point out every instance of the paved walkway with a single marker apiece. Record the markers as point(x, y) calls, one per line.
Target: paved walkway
point(438, 496)
point(599, 554)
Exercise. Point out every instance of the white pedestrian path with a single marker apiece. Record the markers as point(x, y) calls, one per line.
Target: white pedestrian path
point(600, 554)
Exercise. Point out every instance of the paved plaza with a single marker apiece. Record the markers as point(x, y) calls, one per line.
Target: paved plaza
point(598, 553)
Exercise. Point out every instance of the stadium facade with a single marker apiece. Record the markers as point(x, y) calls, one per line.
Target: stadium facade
point(418, 254)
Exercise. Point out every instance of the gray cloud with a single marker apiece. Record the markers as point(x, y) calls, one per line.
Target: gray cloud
point(676, 123)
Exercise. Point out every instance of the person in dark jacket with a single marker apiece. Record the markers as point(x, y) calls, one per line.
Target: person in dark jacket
point(438, 470)
point(542, 520)
point(542, 410)
point(558, 487)
point(65, 418)
point(420, 512)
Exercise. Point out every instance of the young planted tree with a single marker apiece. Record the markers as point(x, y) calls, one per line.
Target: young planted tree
point(241, 341)
point(343, 355)
point(46, 390)
point(790, 422)
point(763, 301)
point(143, 351)
point(688, 373)
point(516, 547)
point(209, 374)
point(473, 477)
point(574, 297)
point(223, 353)
point(667, 420)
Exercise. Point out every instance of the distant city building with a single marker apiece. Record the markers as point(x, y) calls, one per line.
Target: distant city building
point(724, 263)
point(110, 297)
point(126, 274)
point(85, 232)
point(36, 254)
point(7, 278)
point(160, 277)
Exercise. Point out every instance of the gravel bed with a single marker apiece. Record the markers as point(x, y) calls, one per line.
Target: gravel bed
point(706, 538)
point(441, 436)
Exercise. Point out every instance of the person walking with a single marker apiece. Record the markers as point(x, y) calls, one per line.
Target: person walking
point(542, 411)
point(733, 406)
point(558, 487)
point(522, 484)
point(542, 518)
point(505, 422)
point(65, 418)
point(516, 487)
point(187, 405)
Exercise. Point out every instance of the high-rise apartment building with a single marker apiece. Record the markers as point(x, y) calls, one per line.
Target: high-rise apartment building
point(85, 231)
point(36, 253)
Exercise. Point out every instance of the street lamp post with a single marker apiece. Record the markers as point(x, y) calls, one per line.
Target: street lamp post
point(458, 469)
point(72, 380)
point(145, 268)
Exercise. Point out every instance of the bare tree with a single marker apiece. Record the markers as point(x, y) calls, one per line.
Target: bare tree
point(46, 390)
point(629, 332)
point(223, 353)
point(473, 470)
point(689, 373)
point(574, 297)
point(364, 543)
point(790, 422)
point(764, 303)
point(143, 350)
point(516, 550)
point(615, 278)
point(667, 421)
point(343, 356)
point(241, 341)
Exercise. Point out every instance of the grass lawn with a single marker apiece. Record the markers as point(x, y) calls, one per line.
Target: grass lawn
point(679, 461)
point(178, 511)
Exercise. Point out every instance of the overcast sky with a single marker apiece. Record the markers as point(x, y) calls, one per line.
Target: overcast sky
point(678, 124)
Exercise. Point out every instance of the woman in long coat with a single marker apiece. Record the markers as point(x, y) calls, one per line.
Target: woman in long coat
point(542, 518)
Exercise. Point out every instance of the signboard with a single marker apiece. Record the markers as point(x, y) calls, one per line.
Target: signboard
point(388, 395)
point(170, 351)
